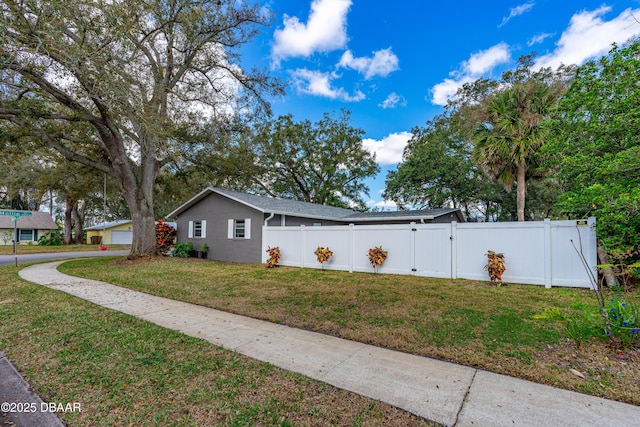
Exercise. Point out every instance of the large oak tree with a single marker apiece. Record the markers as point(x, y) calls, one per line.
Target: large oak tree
point(117, 78)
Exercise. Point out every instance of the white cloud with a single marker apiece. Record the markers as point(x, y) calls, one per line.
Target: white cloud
point(539, 38)
point(476, 66)
point(383, 63)
point(485, 60)
point(446, 90)
point(517, 11)
point(589, 36)
point(393, 100)
point(319, 84)
point(385, 204)
point(389, 150)
point(324, 31)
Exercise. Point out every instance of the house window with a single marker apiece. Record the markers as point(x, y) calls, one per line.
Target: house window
point(26, 235)
point(238, 228)
point(198, 229)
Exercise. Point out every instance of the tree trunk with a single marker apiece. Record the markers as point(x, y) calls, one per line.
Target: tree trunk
point(521, 190)
point(609, 277)
point(139, 197)
point(78, 212)
point(68, 221)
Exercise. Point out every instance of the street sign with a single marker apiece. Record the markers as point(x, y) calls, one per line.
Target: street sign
point(14, 214)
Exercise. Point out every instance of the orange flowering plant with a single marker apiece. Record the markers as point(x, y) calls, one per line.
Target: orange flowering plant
point(274, 256)
point(377, 256)
point(323, 255)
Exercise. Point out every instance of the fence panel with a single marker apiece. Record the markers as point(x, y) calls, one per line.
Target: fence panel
point(288, 239)
point(335, 238)
point(433, 250)
point(521, 243)
point(566, 267)
point(395, 239)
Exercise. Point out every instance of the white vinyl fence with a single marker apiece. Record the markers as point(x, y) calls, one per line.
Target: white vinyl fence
point(539, 253)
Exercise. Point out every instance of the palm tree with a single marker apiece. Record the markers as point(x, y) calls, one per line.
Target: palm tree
point(511, 133)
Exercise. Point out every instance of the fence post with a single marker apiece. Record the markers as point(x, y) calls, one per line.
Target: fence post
point(453, 247)
point(547, 253)
point(351, 248)
point(302, 246)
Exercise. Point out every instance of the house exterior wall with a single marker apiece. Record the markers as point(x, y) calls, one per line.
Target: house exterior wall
point(106, 240)
point(217, 210)
point(6, 235)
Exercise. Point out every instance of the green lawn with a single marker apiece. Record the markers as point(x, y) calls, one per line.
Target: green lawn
point(519, 330)
point(124, 371)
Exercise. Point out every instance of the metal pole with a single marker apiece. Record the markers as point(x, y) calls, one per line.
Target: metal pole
point(15, 239)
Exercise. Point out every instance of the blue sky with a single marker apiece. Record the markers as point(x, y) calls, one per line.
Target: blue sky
point(395, 66)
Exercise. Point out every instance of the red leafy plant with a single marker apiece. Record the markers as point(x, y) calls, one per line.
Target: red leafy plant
point(495, 266)
point(274, 257)
point(165, 236)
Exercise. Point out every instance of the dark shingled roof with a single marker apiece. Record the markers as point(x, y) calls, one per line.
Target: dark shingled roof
point(279, 206)
point(37, 221)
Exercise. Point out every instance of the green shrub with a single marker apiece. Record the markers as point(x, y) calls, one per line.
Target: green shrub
point(182, 250)
point(53, 238)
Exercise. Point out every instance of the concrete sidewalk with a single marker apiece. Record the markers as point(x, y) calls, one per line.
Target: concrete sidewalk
point(20, 405)
point(446, 393)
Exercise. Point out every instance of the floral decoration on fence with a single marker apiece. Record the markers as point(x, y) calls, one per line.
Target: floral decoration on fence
point(495, 266)
point(376, 257)
point(274, 256)
point(323, 255)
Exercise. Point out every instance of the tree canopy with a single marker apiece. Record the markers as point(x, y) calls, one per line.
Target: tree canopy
point(596, 145)
point(437, 170)
point(320, 162)
point(510, 130)
point(107, 84)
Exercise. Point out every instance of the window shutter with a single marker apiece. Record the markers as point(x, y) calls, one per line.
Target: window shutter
point(204, 229)
point(247, 228)
point(230, 229)
point(191, 229)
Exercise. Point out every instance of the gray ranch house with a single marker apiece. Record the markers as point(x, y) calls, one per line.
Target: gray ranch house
point(230, 222)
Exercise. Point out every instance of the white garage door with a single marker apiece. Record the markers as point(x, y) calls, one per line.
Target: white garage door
point(121, 237)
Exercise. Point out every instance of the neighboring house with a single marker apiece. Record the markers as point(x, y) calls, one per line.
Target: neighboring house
point(230, 223)
point(29, 228)
point(113, 233)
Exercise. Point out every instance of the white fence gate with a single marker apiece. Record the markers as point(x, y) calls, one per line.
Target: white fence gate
point(539, 253)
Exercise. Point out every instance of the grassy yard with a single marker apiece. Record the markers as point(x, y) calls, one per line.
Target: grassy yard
point(128, 372)
point(519, 330)
point(32, 249)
